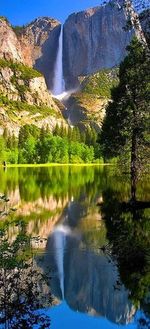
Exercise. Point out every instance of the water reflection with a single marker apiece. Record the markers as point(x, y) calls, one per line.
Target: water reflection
point(23, 286)
point(95, 248)
point(128, 230)
point(59, 235)
point(86, 279)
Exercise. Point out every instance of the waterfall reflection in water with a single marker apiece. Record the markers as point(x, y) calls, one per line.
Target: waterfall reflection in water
point(60, 233)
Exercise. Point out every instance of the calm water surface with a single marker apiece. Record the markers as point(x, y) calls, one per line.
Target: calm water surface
point(94, 247)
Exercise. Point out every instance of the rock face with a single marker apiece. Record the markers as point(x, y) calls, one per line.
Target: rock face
point(87, 106)
point(35, 45)
point(17, 85)
point(145, 23)
point(10, 47)
point(94, 39)
point(85, 109)
point(13, 116)
point(24, 99)
point(39, 43)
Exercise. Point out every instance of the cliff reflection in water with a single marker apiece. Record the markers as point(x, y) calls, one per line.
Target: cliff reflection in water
point(97, 252)
point(86, 278)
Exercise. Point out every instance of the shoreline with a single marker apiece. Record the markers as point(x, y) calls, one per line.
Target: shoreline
point(55, 165)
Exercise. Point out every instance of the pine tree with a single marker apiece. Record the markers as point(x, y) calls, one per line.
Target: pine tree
point(43, 133)
point(70, 130)
point(94, 136)
point(5, 134)
point(78, 135)
point(14, 141)
point(56, 131)
point(126, 123)
point(47, 130)
point(9, 142)
point(83, 136)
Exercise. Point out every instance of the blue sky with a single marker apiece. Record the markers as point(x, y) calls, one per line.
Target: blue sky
point(24, 11)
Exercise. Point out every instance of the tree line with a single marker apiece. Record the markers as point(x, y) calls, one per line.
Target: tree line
point(63, 145)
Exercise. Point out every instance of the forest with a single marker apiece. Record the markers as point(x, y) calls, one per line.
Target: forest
point(35, 145)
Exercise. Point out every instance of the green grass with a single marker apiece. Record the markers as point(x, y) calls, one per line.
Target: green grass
point(57, 164)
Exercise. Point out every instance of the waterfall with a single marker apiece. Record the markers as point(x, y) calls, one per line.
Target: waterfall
point(58, 83)
point(60, 234)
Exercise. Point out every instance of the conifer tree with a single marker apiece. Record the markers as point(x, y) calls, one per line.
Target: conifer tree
point(14, 141)
point(57, 130)
point(5, 134)
point(126, 123)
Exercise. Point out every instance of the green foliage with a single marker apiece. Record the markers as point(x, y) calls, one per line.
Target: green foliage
point(19, 106)
point(36, 145)
point(27, 144)
point(79, 152)
point(101, 83)
point(18, 29)
point(3, 18)
point(60, 150)
point(128, 230)
point(20, 70)
point(21, 75)
point(8, 148)
point(87, 136)
point(125, 127)
point(20, 295)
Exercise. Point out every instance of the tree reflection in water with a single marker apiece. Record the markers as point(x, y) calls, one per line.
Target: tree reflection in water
point(128, 230)
point(23, 288)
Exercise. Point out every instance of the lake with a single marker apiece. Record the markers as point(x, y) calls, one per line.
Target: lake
point(91, 249)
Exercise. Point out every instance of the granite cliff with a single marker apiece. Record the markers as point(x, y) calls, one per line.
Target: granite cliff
point(94, 39)
point(145, 23)
point(10, 48)
point(87, 106)
point(39, 44)
point(24, 97)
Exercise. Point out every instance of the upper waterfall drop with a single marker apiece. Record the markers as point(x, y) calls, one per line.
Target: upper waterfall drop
point(58, 83)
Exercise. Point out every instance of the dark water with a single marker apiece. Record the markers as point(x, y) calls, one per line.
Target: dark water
point(95, 248)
